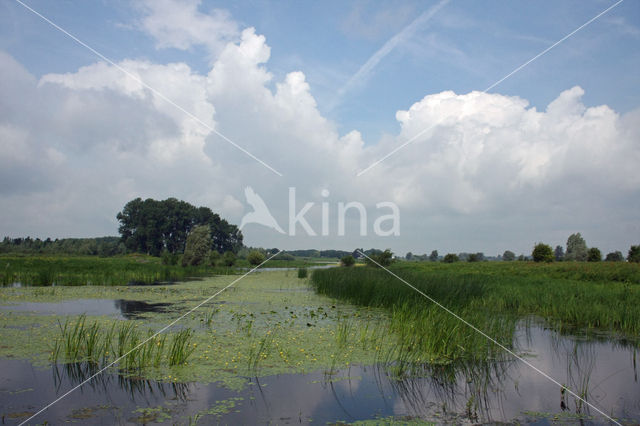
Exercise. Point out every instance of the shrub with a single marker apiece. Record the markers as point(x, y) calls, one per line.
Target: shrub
point(383, 259)
point(198, 246)
point(614, 256)
point(214, 257)
point(302, 273)
point(634, 254)
point(542, 253)
point(228, 258)
point(508, 256)
point(169, 258)
point(255, 257)
point(594, 255)
point(450, 258)
point(348, 260)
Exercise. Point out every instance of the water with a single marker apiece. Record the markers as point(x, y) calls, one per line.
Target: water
point(605, 372)
point(118, 308)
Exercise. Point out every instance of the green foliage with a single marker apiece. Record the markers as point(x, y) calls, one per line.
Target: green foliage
point(214, 257)
point(384, 258)
point(542, 253)
point(576, 248)
point(450, 258)
point(634, 254)
point(614, 256)
point(151, 226)
point(347, 260)
point(433, 257)
point(198, 246)
point(302, 273)
point(594, 255)
point(508, 256)
point(101, 246)
point(85, 270)
point(169, 258)
point(475, 257)
point(79, 341)
point(255, 257)
point(494, 296)
point(228, 258)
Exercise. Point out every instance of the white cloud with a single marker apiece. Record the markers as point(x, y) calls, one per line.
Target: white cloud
point(492, 174)
point(180, 24)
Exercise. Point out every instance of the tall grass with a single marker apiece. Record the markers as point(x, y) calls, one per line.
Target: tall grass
point(81, 341)
point(91, 270)
point(491, 296)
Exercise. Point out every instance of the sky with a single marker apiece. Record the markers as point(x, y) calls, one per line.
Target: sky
point(199, 100)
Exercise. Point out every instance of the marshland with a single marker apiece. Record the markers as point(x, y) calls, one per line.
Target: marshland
point(342, 344)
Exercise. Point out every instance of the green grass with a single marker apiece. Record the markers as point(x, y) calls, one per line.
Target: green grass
point(81, 341)
point(92, 270)
point(41, 270)
point(576, 297)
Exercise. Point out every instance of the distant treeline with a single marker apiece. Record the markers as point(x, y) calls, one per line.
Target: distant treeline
point(101, 246)
point(334, 254)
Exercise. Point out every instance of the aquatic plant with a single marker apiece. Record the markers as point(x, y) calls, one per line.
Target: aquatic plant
point(302, 272)
point(493, 297)
point(82, 341)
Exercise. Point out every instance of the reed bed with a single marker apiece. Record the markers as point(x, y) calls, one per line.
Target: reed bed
point(82, 341)
point(492, 296)
point(91, 270)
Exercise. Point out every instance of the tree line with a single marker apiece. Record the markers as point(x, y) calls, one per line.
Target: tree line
point(101, 246)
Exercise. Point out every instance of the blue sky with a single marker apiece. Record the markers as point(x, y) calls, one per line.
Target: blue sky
point(431, 48)
point(466, 46)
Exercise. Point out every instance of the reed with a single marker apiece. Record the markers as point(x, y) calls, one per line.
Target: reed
point(91, 270)
point(81, 341)
point(491, 296)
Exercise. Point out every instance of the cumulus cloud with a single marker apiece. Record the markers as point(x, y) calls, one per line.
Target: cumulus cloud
point(180, 24)
point(491, 173)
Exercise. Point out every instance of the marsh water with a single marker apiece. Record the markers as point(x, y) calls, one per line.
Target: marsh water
point(118, 308)
point(603, 372)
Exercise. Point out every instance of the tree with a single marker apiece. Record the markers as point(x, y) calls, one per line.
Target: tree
point(228, 258)
point(151, 226)
point(634, 254)
point(508, 256)
point(433, 257)
point(198, 246)
point(558, 253)
point(450, 258)
point(409, 256)
point(594, 255)
point(255, 257)
point(347, 260)
point(614, 256)
point(576, 248)
point(380, 259)
point(475, 257)
point(542, 253)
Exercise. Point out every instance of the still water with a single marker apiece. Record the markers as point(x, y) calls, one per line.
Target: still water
point(603, 371)
point(118, 308)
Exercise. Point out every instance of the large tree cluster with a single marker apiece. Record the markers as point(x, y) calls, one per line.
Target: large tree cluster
point(152, 226)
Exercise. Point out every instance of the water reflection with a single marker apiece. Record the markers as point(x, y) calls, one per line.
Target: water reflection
point(120, 308)
point(604, 373)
